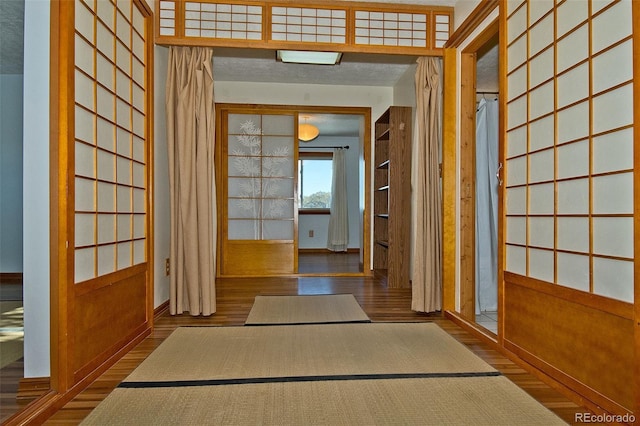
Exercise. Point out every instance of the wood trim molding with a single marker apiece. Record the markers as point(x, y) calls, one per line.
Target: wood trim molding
point(325, 251)
point(479, 14)
point(160, 310)
point(30, 388)
point(635, 10)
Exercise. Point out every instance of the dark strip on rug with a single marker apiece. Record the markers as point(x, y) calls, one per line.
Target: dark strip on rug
point(301, 379)
point(271, 324)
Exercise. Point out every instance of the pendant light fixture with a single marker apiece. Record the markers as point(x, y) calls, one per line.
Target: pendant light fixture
point(307, 132)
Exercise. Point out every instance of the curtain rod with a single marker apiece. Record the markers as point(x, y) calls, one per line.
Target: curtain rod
point(320, 147)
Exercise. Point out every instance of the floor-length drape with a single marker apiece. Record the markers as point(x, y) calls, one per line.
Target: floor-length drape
point(190, 140)
point(338, 235)
point(487, 206)
point(426, 274)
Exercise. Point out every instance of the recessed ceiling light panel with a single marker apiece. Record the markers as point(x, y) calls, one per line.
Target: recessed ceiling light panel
point(309, 57)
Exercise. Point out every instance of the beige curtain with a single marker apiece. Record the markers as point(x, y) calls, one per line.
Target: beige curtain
point(338, 233)
point(190, 140)
point(426, 198)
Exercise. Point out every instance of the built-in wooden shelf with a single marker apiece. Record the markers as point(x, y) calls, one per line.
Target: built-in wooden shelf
point(392, 204)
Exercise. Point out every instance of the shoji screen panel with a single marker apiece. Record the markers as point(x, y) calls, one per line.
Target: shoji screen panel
point(569, 194)
point(110, 139)
point(569, 154)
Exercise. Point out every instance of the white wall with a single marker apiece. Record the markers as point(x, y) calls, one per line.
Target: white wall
point(36, 189)
point(320, 223)
point(161, 206)
point(11, 172)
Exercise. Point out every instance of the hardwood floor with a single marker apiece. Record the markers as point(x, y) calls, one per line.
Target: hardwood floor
point(235, 298)
point(328, 263)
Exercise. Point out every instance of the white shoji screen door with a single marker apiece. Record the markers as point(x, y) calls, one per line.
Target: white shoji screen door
point(259, 212)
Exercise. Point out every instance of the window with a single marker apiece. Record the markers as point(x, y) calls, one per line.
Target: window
point(315, 170)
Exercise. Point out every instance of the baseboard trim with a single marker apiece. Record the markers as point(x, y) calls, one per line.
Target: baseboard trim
point(30, 388)
point(11, 277)
point(160, 310)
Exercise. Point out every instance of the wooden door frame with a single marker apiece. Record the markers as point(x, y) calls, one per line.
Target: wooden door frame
point(365, 112)
point(458, 168)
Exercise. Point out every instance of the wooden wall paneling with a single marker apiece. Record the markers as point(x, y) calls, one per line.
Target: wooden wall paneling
point(467, 184)
point(582, 346)
point(448, 173)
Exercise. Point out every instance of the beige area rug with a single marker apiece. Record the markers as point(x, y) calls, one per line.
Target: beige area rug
point(311, 309)
point(204, 353)
point(430, 401)
point(11, 332)
point(329, 374)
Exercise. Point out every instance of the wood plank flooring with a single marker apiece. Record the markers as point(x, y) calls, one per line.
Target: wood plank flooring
point(235, 298)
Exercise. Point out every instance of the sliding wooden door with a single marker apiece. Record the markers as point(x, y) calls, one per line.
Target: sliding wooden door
point(257, 171)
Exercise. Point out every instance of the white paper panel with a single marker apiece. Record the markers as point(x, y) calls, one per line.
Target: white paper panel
point(84, 54)
point(541, 100)
point(517, 83)
point(611, 26)
point(138, 174)
point(541, 265)
point(613, 194)
point(277, 209)
point(123, 30)
point(542, 67)
point(541, 199)
point(516, 260)
point(244, 187)
point(517, 24)
point(598, 5)
point(241, 124)
point(517, 230)
point(123, 142)
point(613, 151)
point(124, 199)
point(573, 86)
point(541, 35)
point(570, 14)
point(106, 197)
point(517, 112)
point(85, 264)
point(573, 123)
point(277, 187)
point(85, 229)
point(613, 278)
point(277, 166)
point(513, 5)
point(84, 90)
point(613, 109)
point(517, 141)
point(84, 125)
point(123, 57)
point(516, 201)
point(106, 104)
point(573, 160)
point(124, 172)
point(106, 259)
point(613, 236)
point(106, 134)
point(123, 86)
point(244, 166)
point(541, 166)
point(138, 149)
point(124, 6)
point(124, 227)
point(541, 232)
point(280, 146)
point(138, 226)
point(106, 228)
point(138, 97)
point(106, 166)
point(85, 160)
point(123, 114)
point(106, 12)
point(84, 21)
point(573, 234)
point(244, 229)
point(124, 254)
point(574, 48)
point(573, 271)
point(244, 208)
point(539, 8)
point(541, 133)
point(277, 230)
point(139, 205)
point(613, 67)
point(139, 255)
point(573, 196)
point(517, 53)
point(85, 194)
point(517, 171)
point(105, 40)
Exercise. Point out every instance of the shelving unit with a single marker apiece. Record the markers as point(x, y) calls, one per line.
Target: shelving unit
point(392, 196)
